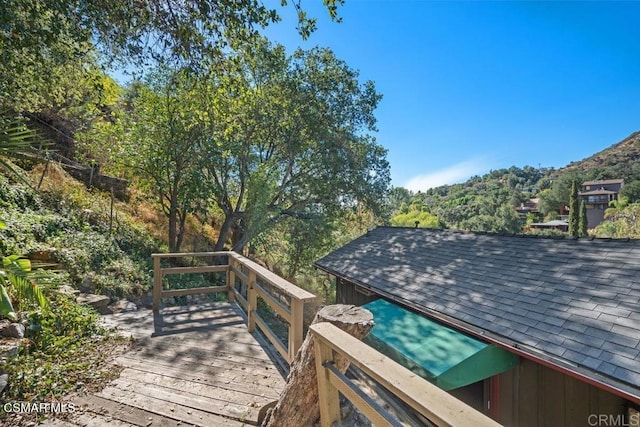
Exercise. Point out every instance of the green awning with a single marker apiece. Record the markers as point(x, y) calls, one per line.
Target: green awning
point(442, 355)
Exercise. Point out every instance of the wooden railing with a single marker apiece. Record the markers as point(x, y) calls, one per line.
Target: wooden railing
point(288, 304)
point(256, 278)
point(436, 405)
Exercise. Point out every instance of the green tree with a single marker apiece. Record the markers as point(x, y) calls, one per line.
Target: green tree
point(631, 191)
point(163, 146)
point(289, 138)
point(583, 221)
point(41, 38)
point(574, 211)
point(625, 224)
point(505, 220)
point(416, 212)
point(398, 201)
point(615, 207)
point(557, 197)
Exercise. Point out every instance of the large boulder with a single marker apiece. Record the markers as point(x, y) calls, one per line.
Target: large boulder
point(99, 302)
point(11, 330)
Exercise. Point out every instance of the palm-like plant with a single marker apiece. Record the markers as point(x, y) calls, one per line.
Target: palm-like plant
point(616, 207)
point(15, 279)
point(16, 141)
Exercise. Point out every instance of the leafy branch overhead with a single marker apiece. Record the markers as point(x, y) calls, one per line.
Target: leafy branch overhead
point(42, 39)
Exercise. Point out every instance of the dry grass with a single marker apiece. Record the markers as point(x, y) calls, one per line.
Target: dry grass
point(141, 209)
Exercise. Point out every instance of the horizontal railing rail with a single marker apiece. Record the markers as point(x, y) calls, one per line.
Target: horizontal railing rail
point(292, 314)
point(431, 402)
point(159, 273)
point(255, 279)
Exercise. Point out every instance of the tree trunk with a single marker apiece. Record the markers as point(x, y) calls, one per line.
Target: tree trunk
point(182, 219)
point(229, 219)
point(298, 404)
point(172, 230)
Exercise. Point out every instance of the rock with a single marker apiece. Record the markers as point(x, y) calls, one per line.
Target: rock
point(4, 379)
point(87, 286)
point(12, 330)
point(123, 306)
point(68, 291)
point(99, 302)
point(11, 351)
point(298, 403)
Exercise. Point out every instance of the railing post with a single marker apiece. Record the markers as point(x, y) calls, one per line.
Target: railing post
point(157, 284)
point(328, 398)
point(296, 326)
point(252, 300)
point(231, 279)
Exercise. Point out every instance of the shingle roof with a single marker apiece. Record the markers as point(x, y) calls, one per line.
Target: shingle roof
point(604, 182)
point(596, 192)
point(553, 223)
point(572, 300)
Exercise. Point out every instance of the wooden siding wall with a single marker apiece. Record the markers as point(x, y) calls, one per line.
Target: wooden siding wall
point(346, 293)
point(532, 395)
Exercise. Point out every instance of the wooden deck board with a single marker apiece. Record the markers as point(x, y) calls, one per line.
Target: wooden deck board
point(195, 365)
point(230, 379)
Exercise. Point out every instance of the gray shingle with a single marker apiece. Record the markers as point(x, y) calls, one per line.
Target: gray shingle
point(586, 290)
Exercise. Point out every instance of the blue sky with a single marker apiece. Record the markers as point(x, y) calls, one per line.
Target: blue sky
point(474, 86)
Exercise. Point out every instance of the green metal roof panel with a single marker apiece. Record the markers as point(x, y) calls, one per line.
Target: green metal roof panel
point(444, 356)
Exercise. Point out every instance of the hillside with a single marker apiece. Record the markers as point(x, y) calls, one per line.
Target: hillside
point(621, 160)
point(485, 203)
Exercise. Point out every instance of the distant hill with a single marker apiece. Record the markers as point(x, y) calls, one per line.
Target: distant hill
point(485, 203)
point(621, 160)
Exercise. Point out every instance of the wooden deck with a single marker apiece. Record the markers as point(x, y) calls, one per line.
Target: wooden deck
point(193, 365)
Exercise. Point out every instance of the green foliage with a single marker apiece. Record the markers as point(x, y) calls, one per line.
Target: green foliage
point(583, 221)
point(416, 213)
point(15, 273)
point(16, 141)
point(62, 352)
point(505, 220)
point(265, 140)
point(531, 218)
point(42, 43)
point(165, 136)
point(615, 207)
point(296, 143)
point(624, 224)
point(631, 191)
point(574, 211)
point(478, 204)
point(557, 197)
point(76, 238)
point(551, 216)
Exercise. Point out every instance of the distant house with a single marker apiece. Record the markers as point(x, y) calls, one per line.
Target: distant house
point(597, 195)
point(457, 308)
point(531, 206)
point(551, 225)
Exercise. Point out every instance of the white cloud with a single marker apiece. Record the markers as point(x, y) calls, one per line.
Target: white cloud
point(449, 175)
